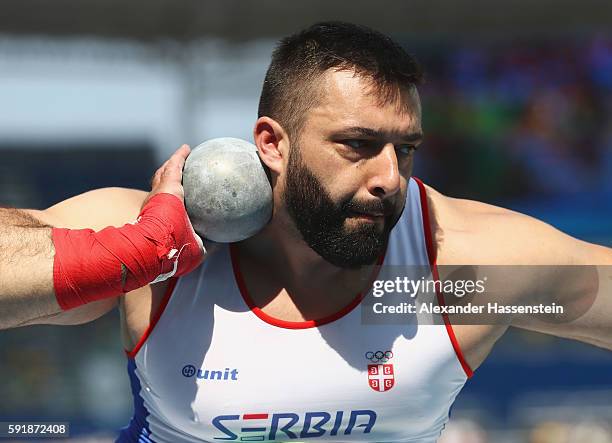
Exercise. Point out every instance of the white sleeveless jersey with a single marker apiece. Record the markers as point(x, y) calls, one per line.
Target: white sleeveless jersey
point(213, 368)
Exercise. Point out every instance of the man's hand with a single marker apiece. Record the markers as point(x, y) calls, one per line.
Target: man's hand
point(179, 248)
point(167, 179)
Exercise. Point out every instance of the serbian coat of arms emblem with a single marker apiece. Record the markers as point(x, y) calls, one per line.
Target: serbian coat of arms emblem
point(381, 377)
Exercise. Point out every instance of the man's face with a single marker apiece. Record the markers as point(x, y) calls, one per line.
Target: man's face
point(346, 176)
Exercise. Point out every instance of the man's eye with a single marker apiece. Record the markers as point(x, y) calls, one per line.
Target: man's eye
point(357, 144)
point(405, 149)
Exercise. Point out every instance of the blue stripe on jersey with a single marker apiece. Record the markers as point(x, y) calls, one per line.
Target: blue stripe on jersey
point(138, 430)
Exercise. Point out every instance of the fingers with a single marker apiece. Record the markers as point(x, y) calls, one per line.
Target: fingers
point(183, 152)
point(157, 176)
point(173, 168)
point(178, 158)
point(171, 172)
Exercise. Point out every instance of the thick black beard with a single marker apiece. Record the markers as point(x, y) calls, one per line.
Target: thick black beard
point(320, 221)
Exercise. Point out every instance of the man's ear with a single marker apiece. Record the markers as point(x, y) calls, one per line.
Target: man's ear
point(272, 143)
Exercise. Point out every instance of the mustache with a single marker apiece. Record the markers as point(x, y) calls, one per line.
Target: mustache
point(385, 207)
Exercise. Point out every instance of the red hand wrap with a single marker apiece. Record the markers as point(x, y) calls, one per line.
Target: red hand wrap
point(87, 264)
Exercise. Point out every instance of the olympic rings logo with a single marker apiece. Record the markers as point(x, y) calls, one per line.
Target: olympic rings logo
point(379, 356)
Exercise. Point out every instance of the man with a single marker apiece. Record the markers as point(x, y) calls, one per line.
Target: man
point(262, 341)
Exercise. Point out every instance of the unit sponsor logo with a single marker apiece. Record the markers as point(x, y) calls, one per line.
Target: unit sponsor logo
point(228, 374)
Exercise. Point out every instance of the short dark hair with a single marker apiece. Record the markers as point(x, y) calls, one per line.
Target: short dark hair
point(299, 60)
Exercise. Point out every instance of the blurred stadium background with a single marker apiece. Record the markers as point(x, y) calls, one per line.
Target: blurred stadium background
point(517, 112)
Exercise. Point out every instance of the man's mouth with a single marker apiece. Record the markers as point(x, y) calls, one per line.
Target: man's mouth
point(373, 216)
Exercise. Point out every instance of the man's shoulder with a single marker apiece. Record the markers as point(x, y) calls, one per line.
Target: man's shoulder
point(95, 209)
point(473, 232)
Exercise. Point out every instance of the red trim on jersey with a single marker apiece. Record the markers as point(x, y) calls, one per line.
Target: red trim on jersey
point(294, 324)
point(431, 254)
point(254, 416)
point(155, 319)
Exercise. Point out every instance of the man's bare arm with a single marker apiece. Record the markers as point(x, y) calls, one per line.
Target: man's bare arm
point(537, 263)
point(20, 296)
point(582, 285)
point(558, 270)
point(26, 268)
point(27, 293)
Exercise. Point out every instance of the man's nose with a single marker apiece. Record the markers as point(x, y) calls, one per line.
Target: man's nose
point(384, 176)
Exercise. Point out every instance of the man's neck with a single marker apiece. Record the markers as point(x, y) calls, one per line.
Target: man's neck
point(287, 277)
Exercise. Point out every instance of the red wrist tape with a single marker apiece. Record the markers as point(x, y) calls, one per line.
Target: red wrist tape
point(161, 243)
